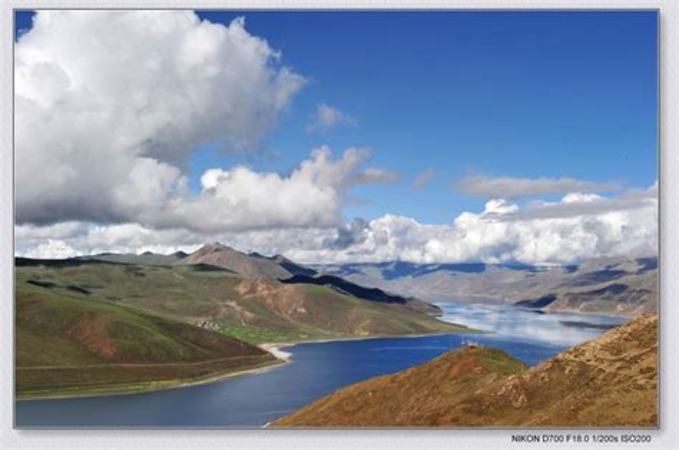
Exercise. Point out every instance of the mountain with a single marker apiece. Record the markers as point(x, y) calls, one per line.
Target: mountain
point(621, 286)
point(260, 309)
point(254, 265)
point(371, 294)
point(625, 286)
point(292, 267)
point(610, 381)
point(70, 343)
point(250, 266)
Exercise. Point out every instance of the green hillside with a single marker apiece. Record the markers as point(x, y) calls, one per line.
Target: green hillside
point(257, 310)
point(70, 345)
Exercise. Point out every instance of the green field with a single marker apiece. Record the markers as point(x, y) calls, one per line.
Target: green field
point(69, 344)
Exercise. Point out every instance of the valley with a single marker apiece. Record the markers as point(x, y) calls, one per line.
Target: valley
point(109, 324)
point(317, 369)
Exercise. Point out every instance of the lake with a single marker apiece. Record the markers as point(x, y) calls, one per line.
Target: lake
point(316, 370)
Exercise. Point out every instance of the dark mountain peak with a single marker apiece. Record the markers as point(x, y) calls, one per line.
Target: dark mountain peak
point(147, 253)
point(372, 294)
point(293, 267)
point(180, 254)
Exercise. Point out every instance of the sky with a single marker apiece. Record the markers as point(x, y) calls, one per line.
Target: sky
point(336, 137)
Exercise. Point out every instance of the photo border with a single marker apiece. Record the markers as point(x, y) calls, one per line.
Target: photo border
point(668, 163)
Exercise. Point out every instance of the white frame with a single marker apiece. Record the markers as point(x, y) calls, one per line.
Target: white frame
point(667, 436)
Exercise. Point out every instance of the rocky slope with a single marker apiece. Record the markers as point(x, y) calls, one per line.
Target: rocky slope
point(279, 268)
point(250, 266)
point(608, 382)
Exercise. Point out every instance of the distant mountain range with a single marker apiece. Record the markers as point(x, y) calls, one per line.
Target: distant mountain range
point(607, 285)
point(611, 381)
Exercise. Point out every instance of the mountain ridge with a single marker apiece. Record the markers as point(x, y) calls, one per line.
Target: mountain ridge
point(204, 289)
point(610, 381)
point(624, 286)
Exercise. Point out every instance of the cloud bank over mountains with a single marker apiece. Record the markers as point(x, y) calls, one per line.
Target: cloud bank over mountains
point(110, 106)
point(497, 234)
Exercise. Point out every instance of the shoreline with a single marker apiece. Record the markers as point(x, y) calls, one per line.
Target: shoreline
point(168, 386)
point(279, 346)
point(274, 348)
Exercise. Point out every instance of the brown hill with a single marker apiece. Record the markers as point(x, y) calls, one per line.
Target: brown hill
point(610, 381)
point(250, 266)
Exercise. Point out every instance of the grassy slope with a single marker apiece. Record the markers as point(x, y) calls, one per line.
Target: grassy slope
point(90, 327)
point(69, 345)
point(610, 381)
point(260, 310)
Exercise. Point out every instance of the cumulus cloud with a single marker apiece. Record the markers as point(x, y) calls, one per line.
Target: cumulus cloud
point(348, 235)
point(509, 187)
point(489, 237)
point(423, 178)
point(327, 117)
point(241, 199)
point(503, 232)
point(109, 104)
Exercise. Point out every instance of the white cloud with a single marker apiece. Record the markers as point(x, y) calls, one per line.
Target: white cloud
point(508, 187)
point(423, 178)
point(497, 234)
point(241, 199)
point(109, 105)
point(487, 237)
point(327, 117)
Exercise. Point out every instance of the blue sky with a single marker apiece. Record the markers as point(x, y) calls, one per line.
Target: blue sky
point(500, 94)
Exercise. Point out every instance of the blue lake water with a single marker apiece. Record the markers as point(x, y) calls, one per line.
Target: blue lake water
point(316, 370)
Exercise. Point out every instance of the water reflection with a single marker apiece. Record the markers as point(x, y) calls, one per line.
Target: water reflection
point(557, 328)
